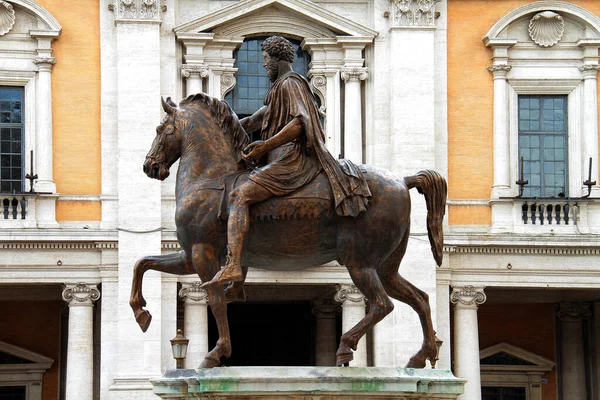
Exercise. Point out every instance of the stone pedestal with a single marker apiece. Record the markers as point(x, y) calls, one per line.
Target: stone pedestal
point(295, 383)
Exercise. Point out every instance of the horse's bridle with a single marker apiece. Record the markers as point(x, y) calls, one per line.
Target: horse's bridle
point(159, 154)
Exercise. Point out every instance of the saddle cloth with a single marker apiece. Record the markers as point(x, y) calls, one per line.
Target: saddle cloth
point(311, 201)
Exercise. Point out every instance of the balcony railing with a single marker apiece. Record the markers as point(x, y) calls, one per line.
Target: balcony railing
point(549, 212)
point(17, 210)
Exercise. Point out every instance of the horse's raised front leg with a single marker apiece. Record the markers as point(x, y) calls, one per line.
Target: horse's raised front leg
point(367, 281)
point(174, 263)
point(205, 258)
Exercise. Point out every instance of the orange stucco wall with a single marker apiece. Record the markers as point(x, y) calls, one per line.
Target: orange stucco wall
point(76, 106)
point(528, 326)
point(470, 103)
point(35, 326)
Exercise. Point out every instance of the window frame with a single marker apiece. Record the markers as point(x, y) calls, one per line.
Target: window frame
point(22, 139)
point(542, 135)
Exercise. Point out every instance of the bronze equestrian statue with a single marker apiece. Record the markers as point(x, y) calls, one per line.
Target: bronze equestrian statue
point(316, 216)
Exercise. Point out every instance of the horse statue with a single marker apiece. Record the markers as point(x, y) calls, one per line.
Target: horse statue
point(208, 138)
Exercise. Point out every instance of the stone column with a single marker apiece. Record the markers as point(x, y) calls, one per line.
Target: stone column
point(573, 357)
point(80, 348)
point(195, 325)
point(193, 75)
point(501, 186)
point(590, 125)
point(325, 311)
point(353, 142)
point(466, 338)
point(353, 310)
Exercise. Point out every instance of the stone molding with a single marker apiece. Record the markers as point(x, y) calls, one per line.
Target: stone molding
point(347, 294)
point(517, 250)
point(412, 12)
point(227, 83)
point(325, 308)
point(7, 17)
point(546, 28)
point(188, 69)
point(80, 294)
point(141, 10)
point(574, 311)
point(318, 83)
point(192, 293)
point(467, 295)
point(354, 74)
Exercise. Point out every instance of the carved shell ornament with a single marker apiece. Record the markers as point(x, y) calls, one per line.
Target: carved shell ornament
point(7, 17)
point(546, 28)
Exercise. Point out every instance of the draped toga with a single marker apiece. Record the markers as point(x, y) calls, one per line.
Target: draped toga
point(294, 164)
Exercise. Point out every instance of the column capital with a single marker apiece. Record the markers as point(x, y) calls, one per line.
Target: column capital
point(499, 70)
point(573, 311)
point(348, 294)
point(354, 74)
point(589, 70)
point(188, 70)
point(192, 293)
point(325, 308)
point(44, 63)
point(467, 295)
point(80, 294)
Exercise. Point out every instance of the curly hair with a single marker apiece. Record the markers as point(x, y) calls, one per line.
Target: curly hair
point(279, 48)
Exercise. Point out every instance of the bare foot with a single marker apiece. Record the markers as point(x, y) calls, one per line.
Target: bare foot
point(224, 276)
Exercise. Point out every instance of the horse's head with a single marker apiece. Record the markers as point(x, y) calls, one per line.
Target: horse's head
point(166, 147)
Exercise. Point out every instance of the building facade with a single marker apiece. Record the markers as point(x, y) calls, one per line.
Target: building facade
point(500, 97)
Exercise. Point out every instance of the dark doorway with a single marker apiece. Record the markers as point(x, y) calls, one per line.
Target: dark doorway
point(13, 393)
point(269, 334)
point(502, 393)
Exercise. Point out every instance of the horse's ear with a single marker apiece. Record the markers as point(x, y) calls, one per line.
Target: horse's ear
point(171, 103)
point(168, 105)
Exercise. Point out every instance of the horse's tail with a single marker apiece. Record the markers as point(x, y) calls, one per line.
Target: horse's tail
point(433, 186)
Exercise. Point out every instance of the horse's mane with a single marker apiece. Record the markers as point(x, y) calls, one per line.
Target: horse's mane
point(225, 118)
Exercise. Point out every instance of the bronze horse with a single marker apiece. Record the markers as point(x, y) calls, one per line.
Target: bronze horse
point(208, 139)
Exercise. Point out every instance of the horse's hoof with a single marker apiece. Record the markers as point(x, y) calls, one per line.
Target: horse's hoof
point(416, 362)
point(343, 358)
point(143, 318)
point(210, 362)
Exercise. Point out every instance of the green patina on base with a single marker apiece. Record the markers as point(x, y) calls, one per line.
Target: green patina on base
point(308, 383)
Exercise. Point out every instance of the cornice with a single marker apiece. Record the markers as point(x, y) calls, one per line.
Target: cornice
point(522, 250)
point(58, 246)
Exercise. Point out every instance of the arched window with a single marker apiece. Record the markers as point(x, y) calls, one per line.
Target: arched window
point(252, 85)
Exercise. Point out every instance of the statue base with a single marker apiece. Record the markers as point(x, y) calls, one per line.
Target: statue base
point(304, 383)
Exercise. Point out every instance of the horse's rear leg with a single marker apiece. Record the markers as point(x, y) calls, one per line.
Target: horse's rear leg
point(174, 263)
point(206, 263)
point(367, 281)
point(404, 291)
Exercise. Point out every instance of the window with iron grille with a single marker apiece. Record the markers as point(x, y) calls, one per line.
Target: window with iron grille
point(11, 139)
point(543, 145)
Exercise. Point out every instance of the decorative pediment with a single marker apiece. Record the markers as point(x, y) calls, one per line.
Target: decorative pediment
point(47, 21)
point(294, 17)
point(504, 356)
point(534, 14)
point(13, 355)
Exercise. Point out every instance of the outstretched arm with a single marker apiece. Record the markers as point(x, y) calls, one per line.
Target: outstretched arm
point(254, 151)
point(254, 122)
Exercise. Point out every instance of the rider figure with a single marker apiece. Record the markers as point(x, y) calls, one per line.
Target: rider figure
point(292, 152)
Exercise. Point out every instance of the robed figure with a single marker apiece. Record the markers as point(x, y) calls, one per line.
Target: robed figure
point(290, 154)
